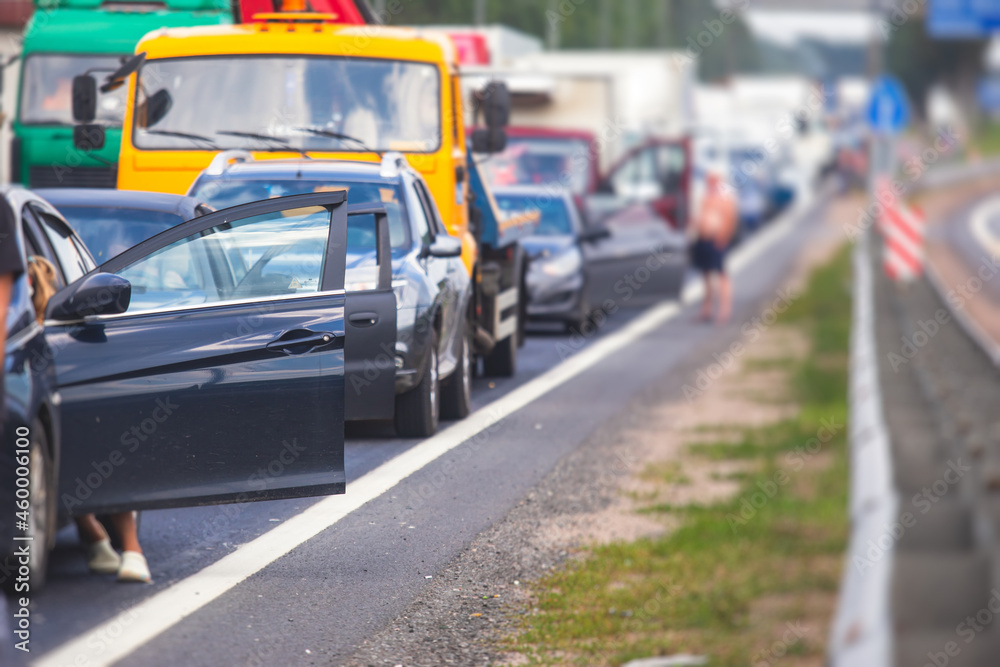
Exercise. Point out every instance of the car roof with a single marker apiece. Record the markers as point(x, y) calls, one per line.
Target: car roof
point(547, 191)
point(181, 205)
point(305, 168)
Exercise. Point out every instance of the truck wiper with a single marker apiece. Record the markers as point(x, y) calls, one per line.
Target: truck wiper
point(323, 132)
point(253, 135)
point(183, 135)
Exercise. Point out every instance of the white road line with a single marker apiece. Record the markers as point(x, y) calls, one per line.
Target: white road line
point(113, 640)
point(979, 223)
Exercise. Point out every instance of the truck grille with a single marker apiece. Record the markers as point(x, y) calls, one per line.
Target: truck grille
point(75, 177)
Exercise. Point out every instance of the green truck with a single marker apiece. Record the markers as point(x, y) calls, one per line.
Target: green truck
point(69, 37)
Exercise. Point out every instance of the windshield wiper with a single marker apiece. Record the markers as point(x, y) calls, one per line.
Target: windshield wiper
point(183, 135)
point(253, 135)
point(323, 132)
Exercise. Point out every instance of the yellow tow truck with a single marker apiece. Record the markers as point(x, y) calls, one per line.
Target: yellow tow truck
point(295, 84)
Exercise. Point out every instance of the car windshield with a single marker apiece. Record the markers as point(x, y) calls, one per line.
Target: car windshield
point(110, 231)
point(553, 215)
point(286, 102)
point(225, 192)
point(47, 89)
point(542, 161)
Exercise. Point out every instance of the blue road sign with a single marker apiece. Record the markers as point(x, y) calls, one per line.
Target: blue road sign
point(963, 18)
point(989, 94)
point(889, 109)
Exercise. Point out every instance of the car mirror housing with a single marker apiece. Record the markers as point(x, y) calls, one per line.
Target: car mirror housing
point(445, 246)
point(94, 294)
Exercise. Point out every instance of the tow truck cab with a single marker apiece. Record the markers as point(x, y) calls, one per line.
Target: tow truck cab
point(66, 38)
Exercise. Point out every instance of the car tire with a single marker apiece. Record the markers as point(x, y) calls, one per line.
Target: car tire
point(502, 361)
point(417, 410)
point(456, 394)
point(583, 317)
point(42, 515)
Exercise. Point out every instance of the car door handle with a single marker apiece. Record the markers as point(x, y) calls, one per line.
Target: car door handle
point(300, 341)
point(363, 319)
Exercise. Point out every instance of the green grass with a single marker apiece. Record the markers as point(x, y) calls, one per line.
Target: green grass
point(987, 139)
point(720, 585)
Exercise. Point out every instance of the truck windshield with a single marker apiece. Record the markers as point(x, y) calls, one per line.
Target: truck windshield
point(542, 161)
point(281, 103)
point(47, 89)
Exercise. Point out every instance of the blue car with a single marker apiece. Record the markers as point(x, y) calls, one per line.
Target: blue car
point(112, 221)
point(433, 351)
point(212, 363)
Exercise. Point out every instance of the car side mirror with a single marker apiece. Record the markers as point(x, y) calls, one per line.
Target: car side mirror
point(94, 294)
point(489, 141)
point(445, 246)
point(595, 234)
point(88, 137)
point(84, 98)
point(605, 187)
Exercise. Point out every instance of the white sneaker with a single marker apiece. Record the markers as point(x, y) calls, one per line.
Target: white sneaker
point(102, 559)
point(134, 568)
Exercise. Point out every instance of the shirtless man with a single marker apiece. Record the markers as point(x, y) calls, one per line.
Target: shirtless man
point(712, 233)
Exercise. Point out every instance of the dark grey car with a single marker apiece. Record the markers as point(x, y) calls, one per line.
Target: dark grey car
point(433, 352)
point(576, 270)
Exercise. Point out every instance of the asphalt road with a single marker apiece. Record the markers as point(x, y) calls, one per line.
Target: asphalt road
point(315, 604)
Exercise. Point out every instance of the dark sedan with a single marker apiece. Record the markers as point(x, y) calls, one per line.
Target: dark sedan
point(112, 221)
point(433, 350)
point(195, 364)
point(578, 270)
point(32, 403)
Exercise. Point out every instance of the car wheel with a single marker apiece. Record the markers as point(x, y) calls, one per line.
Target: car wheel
point(456, 394)
point(502, 361)
point(583, 317)
point(41, 518)
point(417, 410)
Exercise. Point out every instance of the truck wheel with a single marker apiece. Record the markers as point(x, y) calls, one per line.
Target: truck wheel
point(456, 394)
point(40, 522)
point(417, 410)
point(502, 361)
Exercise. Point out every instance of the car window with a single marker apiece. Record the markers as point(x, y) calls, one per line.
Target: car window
point(362, 254)
point(111, 230)
point(637, 177)
point(437, 226)
point(551, 214)
point(271, 255)
point(225, 192)
point(36, 244)
point(69, 253)
point(423, 223)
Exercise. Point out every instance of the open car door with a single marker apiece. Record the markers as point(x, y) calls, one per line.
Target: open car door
point(224, 379)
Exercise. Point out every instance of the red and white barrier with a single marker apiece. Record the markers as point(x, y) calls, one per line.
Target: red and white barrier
point(903, 230)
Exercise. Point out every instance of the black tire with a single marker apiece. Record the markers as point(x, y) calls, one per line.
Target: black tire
point(42, 514)
point(417, 410)
point(583, 316)
point(456, 394)
point(502, 361)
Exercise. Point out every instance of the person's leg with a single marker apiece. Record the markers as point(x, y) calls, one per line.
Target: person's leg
point(134, 567)
point(725, 299)
point(707, 305)
point(128, 531)
point(101, 557)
